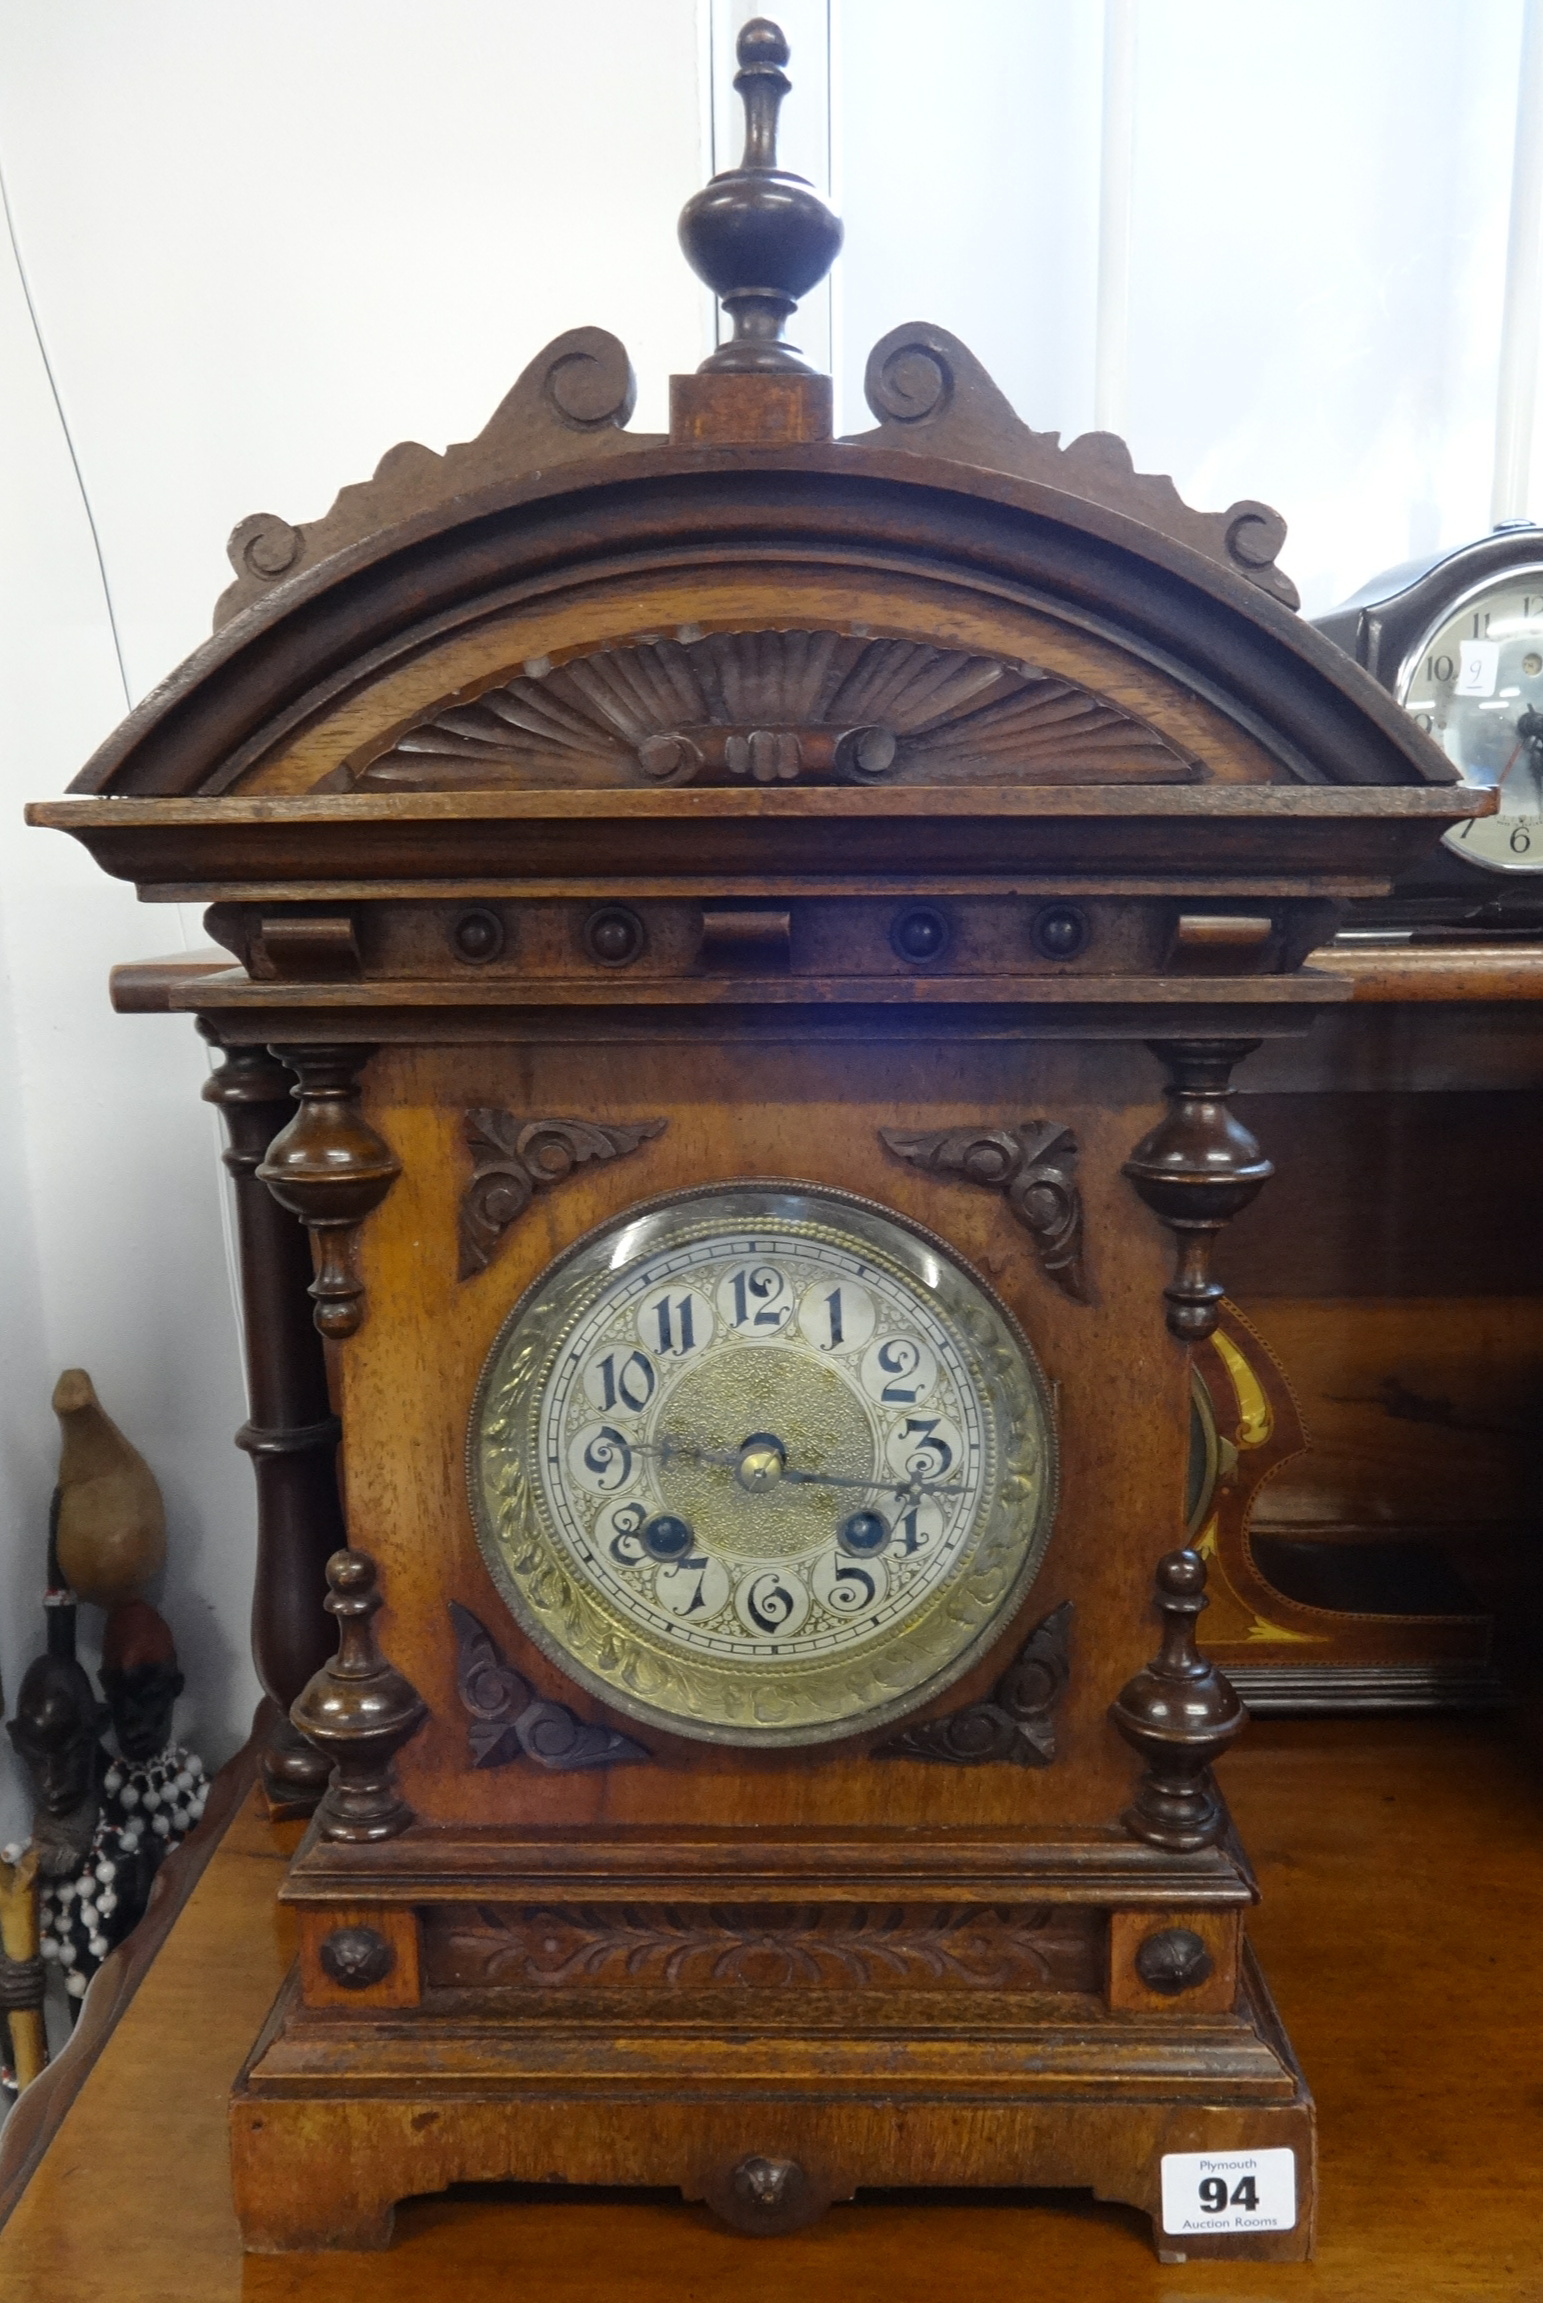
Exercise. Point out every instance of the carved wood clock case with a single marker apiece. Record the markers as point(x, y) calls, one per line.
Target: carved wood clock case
point(760, 929)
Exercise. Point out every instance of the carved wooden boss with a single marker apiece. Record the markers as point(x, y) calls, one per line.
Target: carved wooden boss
point(762, 927)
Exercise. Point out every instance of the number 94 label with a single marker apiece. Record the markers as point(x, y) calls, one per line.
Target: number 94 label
point(1229, 2191)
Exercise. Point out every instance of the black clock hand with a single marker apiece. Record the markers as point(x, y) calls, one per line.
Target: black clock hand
point(731, 1458)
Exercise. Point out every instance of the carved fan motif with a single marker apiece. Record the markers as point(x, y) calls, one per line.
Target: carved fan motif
point(774, 707)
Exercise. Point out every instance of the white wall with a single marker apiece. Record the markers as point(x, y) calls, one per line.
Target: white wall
point(263, 243)
point(268, 238)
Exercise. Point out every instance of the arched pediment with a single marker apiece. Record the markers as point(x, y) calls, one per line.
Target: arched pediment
point(1125, 636)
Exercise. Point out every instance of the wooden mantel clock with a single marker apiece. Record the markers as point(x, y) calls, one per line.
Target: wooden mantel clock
point(762, 927)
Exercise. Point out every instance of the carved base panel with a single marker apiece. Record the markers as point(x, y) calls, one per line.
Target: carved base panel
point(341, 2113)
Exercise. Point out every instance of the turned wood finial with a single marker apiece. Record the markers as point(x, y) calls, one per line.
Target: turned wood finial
point(1180, 1713)
point(759, 236)
point(331, 1169)
point(1197, 1169)
point(360, 1711)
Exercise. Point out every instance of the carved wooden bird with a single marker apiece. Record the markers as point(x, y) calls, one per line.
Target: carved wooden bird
point(110, 1521)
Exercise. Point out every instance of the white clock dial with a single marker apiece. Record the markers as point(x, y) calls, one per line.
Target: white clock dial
point(763, 1463)
point(1475, 683)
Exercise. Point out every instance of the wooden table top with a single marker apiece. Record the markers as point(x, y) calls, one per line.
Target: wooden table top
point(1402, 1932)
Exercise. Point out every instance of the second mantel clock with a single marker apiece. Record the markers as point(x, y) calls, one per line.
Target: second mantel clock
point(762, 928)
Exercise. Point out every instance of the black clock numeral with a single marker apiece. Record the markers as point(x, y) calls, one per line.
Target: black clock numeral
point(694, 1564)
point(769, 1603)
point(675, 1319)
point(1520, 842)
point(632, 1383)
point(909, 1529)
point(852, 1589)
point(899, 1358)
point(759, 1286)
point(833, 1306)
point(625, 1547)
point(931, 1458)
point(609, 1457)
point(1441, 669)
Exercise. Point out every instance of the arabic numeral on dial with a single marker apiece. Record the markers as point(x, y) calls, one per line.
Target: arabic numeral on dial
point(1520, 842)
point(921, 1525)
point(898, 1371)
point(693, 1588)
point(674, 1322)
point(772, 1604)
point(618, 1529)
point(621, 1380)
point(849, 1587)
point(601, 1459)
point(755, 1300)
point(836, 1315)
point(924, 1448)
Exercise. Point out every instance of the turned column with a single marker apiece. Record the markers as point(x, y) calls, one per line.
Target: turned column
point(331, 1169)
point(292, 1434)
point(1197, 1169)
point(360, 1711)
point(1180, 1713)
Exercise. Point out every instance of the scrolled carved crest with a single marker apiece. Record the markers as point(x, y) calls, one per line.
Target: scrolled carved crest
point(513, 1159)
point(1015, 1722)
point(932, 396)
point(1034, 1164)
point(509, 1721)
point(777, 707)
point(572, 401)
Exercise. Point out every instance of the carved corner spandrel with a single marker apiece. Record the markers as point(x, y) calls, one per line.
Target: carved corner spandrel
point(513, 1159)
point(572, 402)
point(932, 397)
point(1034, 1164)
point(509, 1721)
point(1016, 1722)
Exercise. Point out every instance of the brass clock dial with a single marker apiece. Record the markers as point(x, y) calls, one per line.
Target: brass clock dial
point(762, 1464)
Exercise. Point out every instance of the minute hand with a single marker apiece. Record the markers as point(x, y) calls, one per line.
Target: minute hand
point(688, 1451)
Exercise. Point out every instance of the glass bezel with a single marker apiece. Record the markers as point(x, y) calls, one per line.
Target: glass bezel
point(803, 1701)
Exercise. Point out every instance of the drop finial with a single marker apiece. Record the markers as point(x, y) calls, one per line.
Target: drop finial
point(759, 236)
